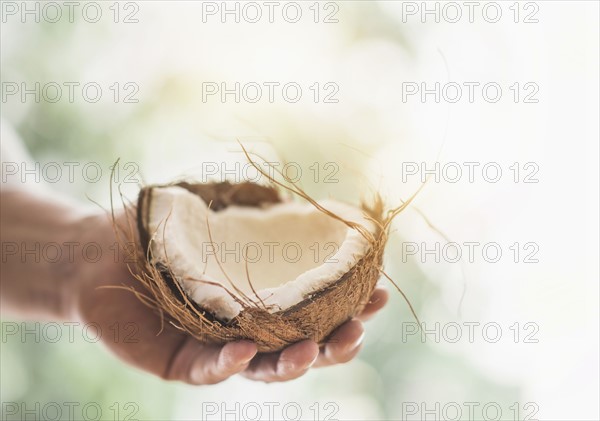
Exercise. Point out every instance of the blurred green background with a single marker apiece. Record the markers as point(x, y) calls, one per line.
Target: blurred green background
point(168, 54)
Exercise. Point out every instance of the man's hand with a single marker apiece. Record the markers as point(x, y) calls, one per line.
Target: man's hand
point(133, 331)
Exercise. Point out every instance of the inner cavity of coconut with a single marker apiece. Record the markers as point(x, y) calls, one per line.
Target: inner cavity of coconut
point(283, 252)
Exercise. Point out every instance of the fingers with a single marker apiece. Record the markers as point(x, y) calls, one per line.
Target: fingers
point(342, 345)
point(231, 359)
point(196, 363)
point(288, 364)
point(201, 364)
point(296, 359)
point(376, 302)
point(176, 356)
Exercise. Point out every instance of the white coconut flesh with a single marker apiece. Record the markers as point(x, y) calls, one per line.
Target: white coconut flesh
point(287, 250)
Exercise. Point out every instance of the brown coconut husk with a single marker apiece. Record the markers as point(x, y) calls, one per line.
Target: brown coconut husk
point(314, 318)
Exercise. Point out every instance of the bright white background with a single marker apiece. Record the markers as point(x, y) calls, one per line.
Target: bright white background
point(370, 133)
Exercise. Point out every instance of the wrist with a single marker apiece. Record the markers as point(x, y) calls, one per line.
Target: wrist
point(38, 231)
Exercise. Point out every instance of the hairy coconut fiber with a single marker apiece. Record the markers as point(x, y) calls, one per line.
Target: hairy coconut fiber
point(313, 318)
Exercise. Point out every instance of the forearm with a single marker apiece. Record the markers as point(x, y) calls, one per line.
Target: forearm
point(39, 232)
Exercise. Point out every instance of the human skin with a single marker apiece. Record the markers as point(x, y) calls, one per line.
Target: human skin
point(82, 290)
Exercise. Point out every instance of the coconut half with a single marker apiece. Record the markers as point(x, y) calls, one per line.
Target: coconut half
point(235, 261)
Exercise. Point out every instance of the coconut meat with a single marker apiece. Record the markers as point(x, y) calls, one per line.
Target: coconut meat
point(277, 255)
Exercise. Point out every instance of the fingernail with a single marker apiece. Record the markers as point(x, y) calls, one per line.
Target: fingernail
point(358, 341)
point(314, 360)
point(246, 361)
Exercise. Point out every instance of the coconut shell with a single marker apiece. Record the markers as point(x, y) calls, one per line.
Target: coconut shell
point(313, 318)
